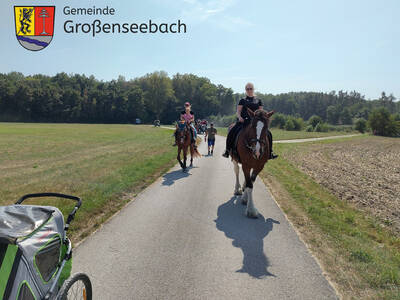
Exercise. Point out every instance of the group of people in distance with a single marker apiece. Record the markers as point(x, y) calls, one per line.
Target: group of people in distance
point(243, 119)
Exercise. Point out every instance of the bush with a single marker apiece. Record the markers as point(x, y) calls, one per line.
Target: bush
point(299, 124)
point(361, 125)
point(315, 120)
point(290, 126)
point(279, 120)
point(294, 123)
point(321, 127)
point(309, 128)
point(383, 123)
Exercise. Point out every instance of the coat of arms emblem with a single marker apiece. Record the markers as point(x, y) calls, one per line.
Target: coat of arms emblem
point(34, 26)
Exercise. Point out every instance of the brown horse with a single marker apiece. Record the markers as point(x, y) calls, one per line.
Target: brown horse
point(253, 151)
point(183, 140)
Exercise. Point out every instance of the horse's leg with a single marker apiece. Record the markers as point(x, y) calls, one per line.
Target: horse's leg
point(184, 157)
point(238, 190)
point(253, 177)
point(251, 211)
point(179, 156)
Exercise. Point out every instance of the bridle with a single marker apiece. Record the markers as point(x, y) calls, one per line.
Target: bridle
point(263, 143)
point(182, 132)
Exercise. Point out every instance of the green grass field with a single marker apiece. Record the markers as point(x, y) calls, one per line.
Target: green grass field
point(105, 165)
point(360, 256)
point(280, 134)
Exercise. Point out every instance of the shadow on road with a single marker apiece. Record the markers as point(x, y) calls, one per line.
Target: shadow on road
point(171, 177)
point(247, 234)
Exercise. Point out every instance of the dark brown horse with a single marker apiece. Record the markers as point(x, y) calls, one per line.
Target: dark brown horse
point(253, 151)
point(183, 140)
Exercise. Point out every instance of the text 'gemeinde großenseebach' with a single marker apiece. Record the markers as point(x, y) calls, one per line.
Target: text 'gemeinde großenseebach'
point(97, 26)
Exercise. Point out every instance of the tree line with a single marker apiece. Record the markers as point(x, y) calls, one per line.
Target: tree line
point(78, 98)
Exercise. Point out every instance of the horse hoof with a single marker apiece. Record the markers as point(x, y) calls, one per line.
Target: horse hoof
point(252, 215)
point(238, 193)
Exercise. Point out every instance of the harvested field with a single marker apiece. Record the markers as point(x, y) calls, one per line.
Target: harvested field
point(365, 172)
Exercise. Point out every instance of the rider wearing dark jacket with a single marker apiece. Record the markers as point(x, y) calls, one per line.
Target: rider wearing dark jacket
point(243, 120)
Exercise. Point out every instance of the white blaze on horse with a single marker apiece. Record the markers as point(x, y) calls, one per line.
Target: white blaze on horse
point(253, 152)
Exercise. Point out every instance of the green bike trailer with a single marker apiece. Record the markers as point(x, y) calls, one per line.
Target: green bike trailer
point(35, 253)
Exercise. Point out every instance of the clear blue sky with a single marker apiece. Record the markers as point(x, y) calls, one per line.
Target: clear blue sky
point(281, 46)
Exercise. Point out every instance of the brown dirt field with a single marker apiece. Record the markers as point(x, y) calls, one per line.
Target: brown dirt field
point(364, 172)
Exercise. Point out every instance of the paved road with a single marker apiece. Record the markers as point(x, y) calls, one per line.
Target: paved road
point(186, 237)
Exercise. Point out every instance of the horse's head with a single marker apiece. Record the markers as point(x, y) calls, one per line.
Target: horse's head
point(181, 129)
point(258, 134)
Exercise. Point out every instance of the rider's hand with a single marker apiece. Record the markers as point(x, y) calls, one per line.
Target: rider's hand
point(241, 120)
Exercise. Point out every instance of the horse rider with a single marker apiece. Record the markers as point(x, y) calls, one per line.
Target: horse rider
point(187, 116)
point(243, 119)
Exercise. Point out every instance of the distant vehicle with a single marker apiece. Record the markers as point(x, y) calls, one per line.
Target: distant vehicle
point(138, 121)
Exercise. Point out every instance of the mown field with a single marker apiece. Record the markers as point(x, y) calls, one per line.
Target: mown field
point(105, 165)
point(280, 134)
point(342, 196)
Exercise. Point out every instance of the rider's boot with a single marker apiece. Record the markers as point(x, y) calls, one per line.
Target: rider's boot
point(273, 156)
point(226, 153)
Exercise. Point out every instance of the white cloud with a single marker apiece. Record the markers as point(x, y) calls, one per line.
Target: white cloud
point(214, 11)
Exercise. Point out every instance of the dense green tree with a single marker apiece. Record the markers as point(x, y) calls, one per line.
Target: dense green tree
point(383, 123)
point(332, 114)
point(361, 125)
point(345, 117)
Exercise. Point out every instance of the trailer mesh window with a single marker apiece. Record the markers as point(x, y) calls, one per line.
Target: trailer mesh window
point(25, 292)
point(48, 257)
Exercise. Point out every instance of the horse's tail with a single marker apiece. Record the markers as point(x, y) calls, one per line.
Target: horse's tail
point(195, 153)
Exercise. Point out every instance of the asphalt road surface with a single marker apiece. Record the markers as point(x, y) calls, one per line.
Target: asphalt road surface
point(186, 237)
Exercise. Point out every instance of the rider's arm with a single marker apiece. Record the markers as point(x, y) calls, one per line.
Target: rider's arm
point(239, 111)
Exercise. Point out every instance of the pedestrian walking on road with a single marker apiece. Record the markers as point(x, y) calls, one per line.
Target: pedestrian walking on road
point(210, 133)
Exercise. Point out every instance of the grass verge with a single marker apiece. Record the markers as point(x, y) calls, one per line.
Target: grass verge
point(361, 258)
point(280, 134)
point(105, 165)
